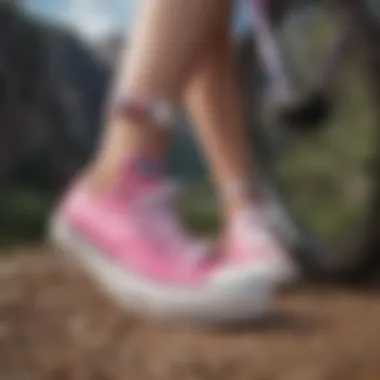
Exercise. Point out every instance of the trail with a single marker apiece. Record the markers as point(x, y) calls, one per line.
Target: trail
point(54, 324)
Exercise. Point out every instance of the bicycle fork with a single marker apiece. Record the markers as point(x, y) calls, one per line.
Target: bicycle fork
point(270, 53)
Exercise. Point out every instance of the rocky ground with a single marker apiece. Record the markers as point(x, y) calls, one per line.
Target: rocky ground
point(54, 324)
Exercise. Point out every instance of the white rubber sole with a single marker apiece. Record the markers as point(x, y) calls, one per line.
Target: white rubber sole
point(230, 297)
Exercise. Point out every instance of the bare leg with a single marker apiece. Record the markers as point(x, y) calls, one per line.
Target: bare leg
point(213, 99)
point(167, 42)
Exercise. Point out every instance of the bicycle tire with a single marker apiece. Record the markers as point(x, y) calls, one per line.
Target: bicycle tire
point(310, 251)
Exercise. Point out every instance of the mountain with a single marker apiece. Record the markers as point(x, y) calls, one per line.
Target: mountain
point(108, 49)
point(80, 79)
point(52, 90)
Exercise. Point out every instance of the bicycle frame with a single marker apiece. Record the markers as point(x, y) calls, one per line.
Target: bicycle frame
point(269, 51)
point(272, 60)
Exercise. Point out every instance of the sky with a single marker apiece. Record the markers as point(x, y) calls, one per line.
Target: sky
point(96, 18)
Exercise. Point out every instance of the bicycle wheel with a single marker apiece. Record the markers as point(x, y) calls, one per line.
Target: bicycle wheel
point(327, 180)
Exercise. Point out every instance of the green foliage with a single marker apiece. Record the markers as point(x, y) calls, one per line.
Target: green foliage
point(199, 207)
point(23, 215)
point(26, 211)
point(329, 177)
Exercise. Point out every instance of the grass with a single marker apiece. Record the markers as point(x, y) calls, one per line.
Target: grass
point(24, 213)
point(199, 208)
point(23, 216)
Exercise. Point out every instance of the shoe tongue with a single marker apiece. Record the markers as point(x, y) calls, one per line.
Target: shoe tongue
point(149, 169)
point(249, 216)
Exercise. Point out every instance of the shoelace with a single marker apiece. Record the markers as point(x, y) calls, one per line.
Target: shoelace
point(253, 228)
point(157, 210)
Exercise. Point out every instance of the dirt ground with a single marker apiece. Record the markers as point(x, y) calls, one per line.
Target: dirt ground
point(54, 324)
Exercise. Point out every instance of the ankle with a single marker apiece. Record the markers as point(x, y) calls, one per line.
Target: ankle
point(116, 155)
point(238, 197)
point(103, 175)
point(236, 208)
point(98, 180)
point(136, 128)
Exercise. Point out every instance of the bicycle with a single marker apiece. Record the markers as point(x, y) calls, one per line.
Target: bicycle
point(333, 208)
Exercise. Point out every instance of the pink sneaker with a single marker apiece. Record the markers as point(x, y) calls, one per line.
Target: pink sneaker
point(132, 241)
point(250, 238)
